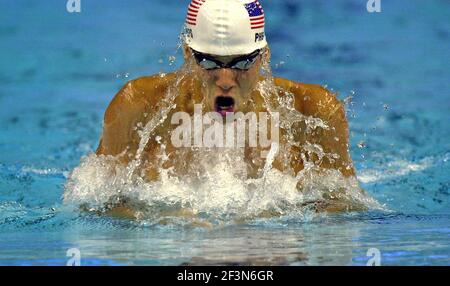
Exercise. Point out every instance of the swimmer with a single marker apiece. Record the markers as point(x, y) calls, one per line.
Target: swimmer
point(225, 49)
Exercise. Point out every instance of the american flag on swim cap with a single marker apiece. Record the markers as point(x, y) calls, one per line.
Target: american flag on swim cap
point(256, 14)
point(194, 6)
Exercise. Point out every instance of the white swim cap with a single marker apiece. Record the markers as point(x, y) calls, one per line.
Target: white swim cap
point(225, 27)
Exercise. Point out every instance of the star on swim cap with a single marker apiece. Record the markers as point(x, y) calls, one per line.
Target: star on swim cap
point(225, 28)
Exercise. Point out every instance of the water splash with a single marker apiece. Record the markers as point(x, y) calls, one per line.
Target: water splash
point(216, 187)
point(220, 193)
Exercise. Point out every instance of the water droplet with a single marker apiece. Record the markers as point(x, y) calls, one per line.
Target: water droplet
point(280, 64)
point(172, 59)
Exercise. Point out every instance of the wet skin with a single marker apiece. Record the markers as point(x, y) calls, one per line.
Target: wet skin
point(139, 100)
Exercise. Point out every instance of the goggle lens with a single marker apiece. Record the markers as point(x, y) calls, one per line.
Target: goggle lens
point(208, 62)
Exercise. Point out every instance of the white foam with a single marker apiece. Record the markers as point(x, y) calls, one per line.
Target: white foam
point(220, 192)
point(394, 169)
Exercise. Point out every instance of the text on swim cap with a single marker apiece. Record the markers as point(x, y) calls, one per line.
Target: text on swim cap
point(259, 37)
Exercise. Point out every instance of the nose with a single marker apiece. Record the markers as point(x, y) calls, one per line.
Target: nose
point(225, 79)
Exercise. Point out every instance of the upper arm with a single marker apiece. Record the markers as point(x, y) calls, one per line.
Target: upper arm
point(120, 118)
point(318, 102)
point(335, 139)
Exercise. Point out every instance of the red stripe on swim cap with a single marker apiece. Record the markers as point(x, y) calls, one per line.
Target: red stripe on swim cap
point(257, 18)
point(192, 13)
point(259, 22)
point(257, 27)
point(190, 9)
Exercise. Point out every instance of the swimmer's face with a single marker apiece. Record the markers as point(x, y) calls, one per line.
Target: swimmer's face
point(228, 80)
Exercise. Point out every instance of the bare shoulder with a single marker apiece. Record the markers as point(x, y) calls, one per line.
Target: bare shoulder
point(137, 95)
point(152, 88)
point(137, 99)
point(311, 99)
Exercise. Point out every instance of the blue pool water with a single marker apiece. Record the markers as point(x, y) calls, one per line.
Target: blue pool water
point(59, 71)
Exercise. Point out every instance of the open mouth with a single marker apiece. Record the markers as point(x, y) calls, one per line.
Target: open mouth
point(224, 104)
